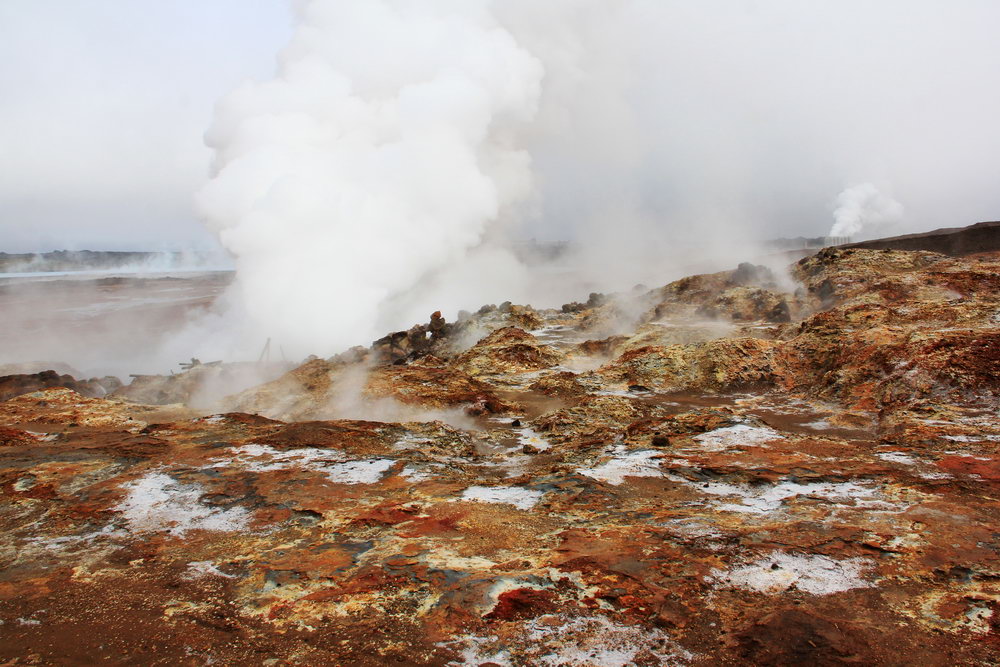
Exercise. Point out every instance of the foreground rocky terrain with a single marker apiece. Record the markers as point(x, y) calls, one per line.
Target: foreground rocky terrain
point(737, 468)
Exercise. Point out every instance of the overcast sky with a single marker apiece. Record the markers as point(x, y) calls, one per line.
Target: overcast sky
point(103, 104)
point(759, 109)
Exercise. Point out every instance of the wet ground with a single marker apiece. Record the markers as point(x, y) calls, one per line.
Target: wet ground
point(98, 324)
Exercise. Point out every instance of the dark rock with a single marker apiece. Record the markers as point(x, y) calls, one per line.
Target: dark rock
point(438, 327)
point(752, 274)
point(793, 636)
point(954, 241)
point(16, 385)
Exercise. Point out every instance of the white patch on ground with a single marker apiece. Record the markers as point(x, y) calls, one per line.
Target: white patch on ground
point(476, 650)
point(924, 471)
point(504, 585)
point(624, 464)
point(897, 457)
point(978, 619)
point(817, 575)
point(28, 621)
point(551, 331)
point(444, 558)
point(264, 458)
point(214, 419)
point(819, 425)
point(616, 392)
point(955, 452)
point(528, 436)
point(58, 543)
point(157, 502)
point(596, 640)
point(984, 437)
point(767, 498)
point(519, 497)
point(411, 441)
point(502, 420)
point(330, 462)
point(575, 577)
point(525, 378)
point(358, 472)
point(523, 435)
point(739, 435)
point(693, 529)
point(24, 484)
point(205, 568)
point(418, 472)
point(591, 641)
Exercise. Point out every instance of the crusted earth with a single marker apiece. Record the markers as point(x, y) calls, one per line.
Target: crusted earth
point(736, 468)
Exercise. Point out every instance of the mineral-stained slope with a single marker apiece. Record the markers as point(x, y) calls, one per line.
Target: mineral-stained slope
point(732, 469)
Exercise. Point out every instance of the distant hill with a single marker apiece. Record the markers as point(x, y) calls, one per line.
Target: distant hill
point(955, 241)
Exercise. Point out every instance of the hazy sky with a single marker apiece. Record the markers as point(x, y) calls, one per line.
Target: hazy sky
point(103, 104)
point(753, 112)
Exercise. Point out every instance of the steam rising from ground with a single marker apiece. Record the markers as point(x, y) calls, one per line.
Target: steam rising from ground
point(863, 210)
point(348, 400)
point(384, 170)
point(380, 152)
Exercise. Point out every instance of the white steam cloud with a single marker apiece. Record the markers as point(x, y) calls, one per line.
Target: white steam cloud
point(381, 151)
point(863, 210)
point(401, 147)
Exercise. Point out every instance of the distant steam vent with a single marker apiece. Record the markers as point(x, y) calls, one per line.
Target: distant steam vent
point(863, 209)
point(808, 243)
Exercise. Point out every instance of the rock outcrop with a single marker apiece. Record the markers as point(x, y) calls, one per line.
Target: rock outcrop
point(956, 241)
point(15, 385)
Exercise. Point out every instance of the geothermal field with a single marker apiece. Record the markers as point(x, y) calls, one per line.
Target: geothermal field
point(499, 333)
point(713, 471)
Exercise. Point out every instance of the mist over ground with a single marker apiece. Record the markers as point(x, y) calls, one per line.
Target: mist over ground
point(400, 151)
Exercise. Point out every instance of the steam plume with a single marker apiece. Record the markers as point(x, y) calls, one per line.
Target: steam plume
point(388, 128)
point(373, 179)
point(862, 208)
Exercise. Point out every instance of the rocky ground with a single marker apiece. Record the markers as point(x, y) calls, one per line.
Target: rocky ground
point(736, 468)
